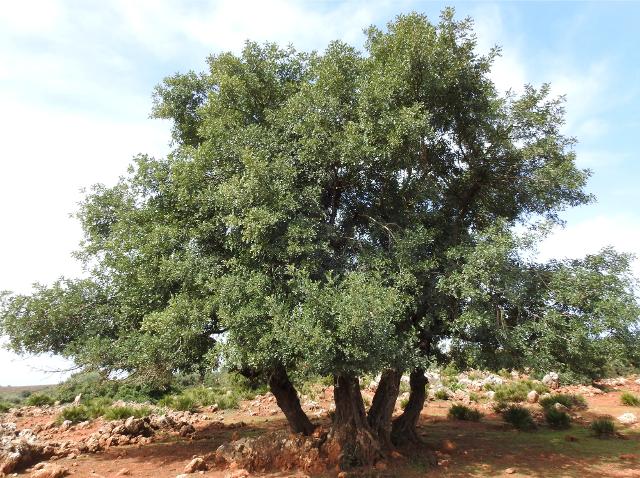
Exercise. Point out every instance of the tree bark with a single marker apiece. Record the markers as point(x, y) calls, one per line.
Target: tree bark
point(384, 402)
point(358, 443)
point(287, 399)
point(404, 427)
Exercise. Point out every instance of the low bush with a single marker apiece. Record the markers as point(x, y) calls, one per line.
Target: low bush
point(5, 407)
point(515, 391)
point(404, 402)
point(193, 398)
point(603, 427)
point(460, 412)
point(500, 407)
point(572, 402)
point(87, 411)
point(629, 399)
point(441, 394)
point(124, 412)
point(519, 417)
point(39, 399)
point(93, 385)
point(474, 397)
point(557, 419)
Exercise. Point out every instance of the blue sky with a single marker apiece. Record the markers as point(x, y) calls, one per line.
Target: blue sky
point(76, 81)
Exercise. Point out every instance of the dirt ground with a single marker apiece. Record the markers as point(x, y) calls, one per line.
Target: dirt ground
point(489, 448)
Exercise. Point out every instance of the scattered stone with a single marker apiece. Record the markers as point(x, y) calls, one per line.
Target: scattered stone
point(560, 407)
point(186, 429)
point(66, 425)
point(197, 464)
point(491, 394)
point(551, 380)
point(510, 471)
point(50, 471)
point(123, 472)
point(533, 396)
point(76, 401)
point(628, 418)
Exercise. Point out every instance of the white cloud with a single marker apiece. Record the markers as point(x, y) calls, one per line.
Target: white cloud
point(509, 70)
point(30, 370)
point(47, 157)
point(590, 235)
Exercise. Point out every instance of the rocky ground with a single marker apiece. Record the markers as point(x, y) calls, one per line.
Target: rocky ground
point(215, 443)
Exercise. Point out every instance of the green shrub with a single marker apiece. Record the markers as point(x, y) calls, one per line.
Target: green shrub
point(630, 399)
point(404, 402)
point(38, 400)
point(515, 391)
point(519, 417)
point(124, 412)
point(93, 385)
point(572, 402)
point(441, 394)
point(87, 411)
point(603, 427)
point(474, 397)
point(75, 414)
point(500, 407)
point(460, 412)
point(557, 419)
point(4, 407)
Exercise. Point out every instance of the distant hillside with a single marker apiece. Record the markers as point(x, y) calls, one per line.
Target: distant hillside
point(8, 392)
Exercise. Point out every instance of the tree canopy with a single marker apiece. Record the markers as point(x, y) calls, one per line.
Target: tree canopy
point(339, 213)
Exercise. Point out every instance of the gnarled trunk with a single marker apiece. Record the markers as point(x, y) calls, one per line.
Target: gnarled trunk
point(357, 442)
point(287, 399)
point(384, 402)
point(404, 427)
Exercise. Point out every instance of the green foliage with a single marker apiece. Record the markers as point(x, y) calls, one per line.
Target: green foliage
point(39, 399)
point(500, 406)
point(572, 402)
point(101, 407)
point(5, 407)
point(474, 397)
point(515, 391)
point(460, 412)
point(88, 410)
point(326, 212)
point(441, 394)
point(519, 417)
point(557, 419)
point(404, 402)
point(603, 428)
point(123, 412)
point(629, 399)
point(201, 396)
point(94, 385)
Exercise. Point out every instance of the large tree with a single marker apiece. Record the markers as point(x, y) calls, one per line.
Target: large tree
point(341, 213)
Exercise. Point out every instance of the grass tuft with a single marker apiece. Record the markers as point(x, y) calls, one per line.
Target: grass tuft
point(572, 402)
point(630, 399)
point(441, 394)
point(516, 391)
point(519, 417)
point(603, 428)
point(39, 400)
point(124, 412)
point(461, 412)
point(557, 419)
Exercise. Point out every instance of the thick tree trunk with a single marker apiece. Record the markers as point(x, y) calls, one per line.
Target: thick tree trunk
point(384, 402)
point(404, 427)
point(287, 399)
point(358, 443)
